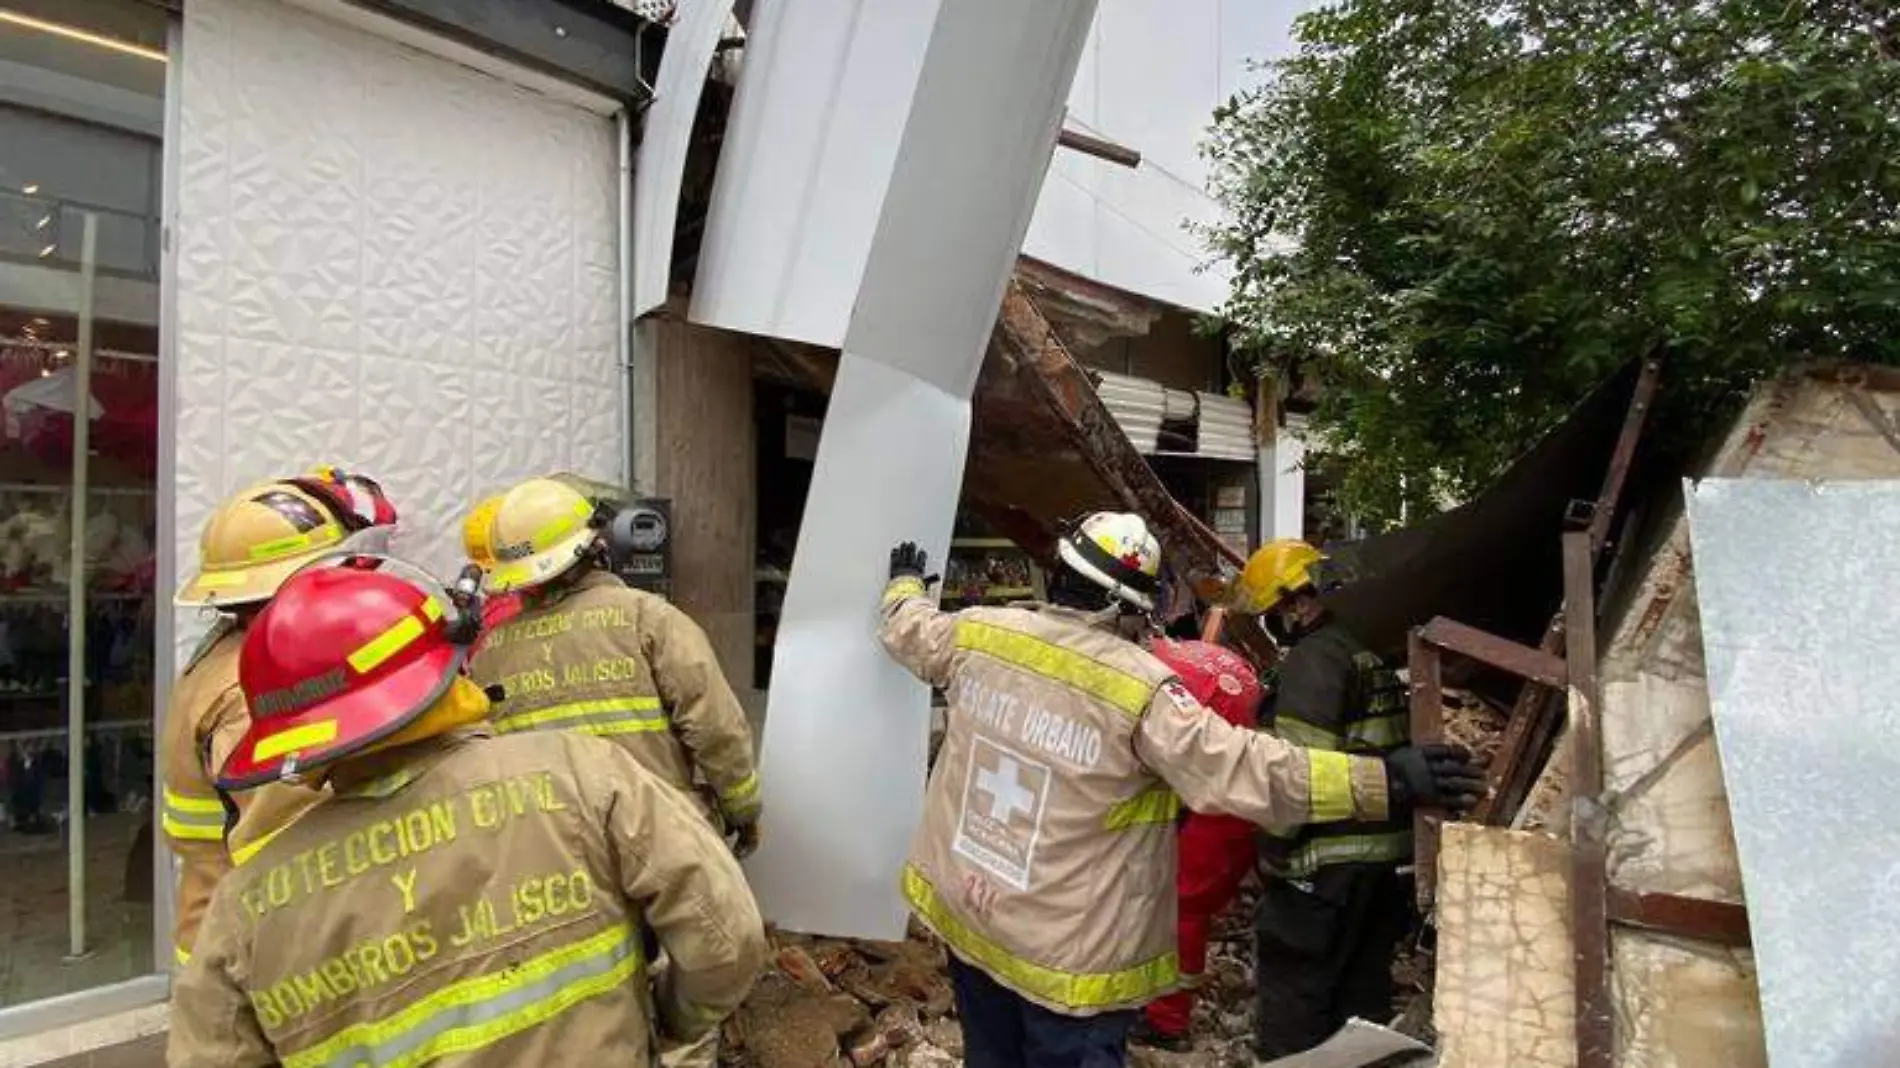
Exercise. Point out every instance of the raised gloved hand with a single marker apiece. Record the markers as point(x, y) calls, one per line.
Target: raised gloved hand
point(908, 559)
point(1435, 776)
point(745, 839)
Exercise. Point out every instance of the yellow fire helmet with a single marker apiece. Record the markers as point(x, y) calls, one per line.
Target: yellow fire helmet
point(1275, 570)
point(539, 530)
point(476, 531)
point(1115, 551)
point(255, 540)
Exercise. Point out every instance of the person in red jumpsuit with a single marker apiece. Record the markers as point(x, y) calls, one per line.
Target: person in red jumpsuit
point(1215, 852)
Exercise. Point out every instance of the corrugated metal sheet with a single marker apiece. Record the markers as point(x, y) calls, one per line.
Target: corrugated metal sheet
point(1226, 428)
point(1224, 424)
point(1137, 405)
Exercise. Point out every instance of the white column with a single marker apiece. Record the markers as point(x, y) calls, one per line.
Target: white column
point(1283, 482)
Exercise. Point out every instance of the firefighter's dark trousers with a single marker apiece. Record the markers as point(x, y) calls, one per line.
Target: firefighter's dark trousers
point(1323, 954)
point(1002, 1030)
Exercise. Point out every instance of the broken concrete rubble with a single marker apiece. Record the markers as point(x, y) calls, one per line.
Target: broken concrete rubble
point(833, 1003)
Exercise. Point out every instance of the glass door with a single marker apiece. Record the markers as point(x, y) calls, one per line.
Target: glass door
point(81, 118)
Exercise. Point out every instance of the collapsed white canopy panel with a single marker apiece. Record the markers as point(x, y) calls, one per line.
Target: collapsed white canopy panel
point(690, 44)
point(847, 731)
point(807, 158)
point(385, 261)
point(1799, 585)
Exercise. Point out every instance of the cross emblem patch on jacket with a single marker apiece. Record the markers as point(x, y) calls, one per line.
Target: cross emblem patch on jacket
point(1004, 796)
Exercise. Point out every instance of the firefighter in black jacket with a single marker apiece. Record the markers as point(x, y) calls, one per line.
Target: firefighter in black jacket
point(1335, 905)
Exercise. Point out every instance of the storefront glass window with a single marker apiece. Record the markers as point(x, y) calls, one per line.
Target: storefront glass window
point(82, 85)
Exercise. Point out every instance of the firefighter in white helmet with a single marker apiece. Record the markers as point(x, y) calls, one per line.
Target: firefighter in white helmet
point(248, 548)
point(1046, 857)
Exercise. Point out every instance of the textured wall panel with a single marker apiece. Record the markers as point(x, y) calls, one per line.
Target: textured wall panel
point(385, 261)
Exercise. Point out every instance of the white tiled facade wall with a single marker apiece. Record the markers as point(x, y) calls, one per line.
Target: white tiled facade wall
point(388, 262)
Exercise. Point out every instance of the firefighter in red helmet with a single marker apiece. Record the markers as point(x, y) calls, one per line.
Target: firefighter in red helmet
point(1213, 853)
point(456, 895)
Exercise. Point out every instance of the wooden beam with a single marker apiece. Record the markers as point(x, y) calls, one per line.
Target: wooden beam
point(1589, 885)
point(1100, 148)
point(1428, 726)
point(1044, 369)
point(1501, 653)
point(1722, 922)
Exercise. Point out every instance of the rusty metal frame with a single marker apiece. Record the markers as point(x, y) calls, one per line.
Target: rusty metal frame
point(1532, 728)
point(1722, 922)
point(1534, 665)
point(1565, 661)
point(1589, 820)
point(1423, 663)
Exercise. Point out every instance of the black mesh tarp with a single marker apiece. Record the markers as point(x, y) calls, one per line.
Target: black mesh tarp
point(1494, 562)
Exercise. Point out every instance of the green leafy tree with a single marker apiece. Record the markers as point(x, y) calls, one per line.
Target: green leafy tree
point(1457, 216)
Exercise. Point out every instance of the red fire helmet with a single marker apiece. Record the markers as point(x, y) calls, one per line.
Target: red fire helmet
point(1216, 676)
point(343, 657)
point(359, 499)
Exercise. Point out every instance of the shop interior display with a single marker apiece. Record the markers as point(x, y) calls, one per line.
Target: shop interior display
point(991, 571)
point(38, 473)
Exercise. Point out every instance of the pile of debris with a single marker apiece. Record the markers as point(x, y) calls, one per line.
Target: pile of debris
point(840, 1003)
point(1475, 723)
point(831, 1002)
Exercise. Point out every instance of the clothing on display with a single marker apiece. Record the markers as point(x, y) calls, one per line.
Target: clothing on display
point(37, 403)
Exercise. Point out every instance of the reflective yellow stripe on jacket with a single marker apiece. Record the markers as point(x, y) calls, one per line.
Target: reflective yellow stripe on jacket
point(742, 799)
point(187, 818)
point(481, 1011)
point(1374, 733)
point(904, 586)
point(1072, 669)
point(1077, 990)
point(613, 715)
point(1329, 785)
point(1157, 804)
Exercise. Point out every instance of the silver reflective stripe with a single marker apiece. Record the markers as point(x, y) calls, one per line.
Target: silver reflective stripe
point(191, 818)
point(472, 1017)
point(610, 716)
point(1381, 732)
point(1347, 849)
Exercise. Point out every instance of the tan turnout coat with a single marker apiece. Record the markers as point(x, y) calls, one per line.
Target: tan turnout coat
point(478, 901)
point(206, 718)
point(608, 660)
point(1046, 853)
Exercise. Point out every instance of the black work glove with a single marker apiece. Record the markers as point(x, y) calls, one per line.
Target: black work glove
point(908, 559)
point(1433, 776)
point(746, 838)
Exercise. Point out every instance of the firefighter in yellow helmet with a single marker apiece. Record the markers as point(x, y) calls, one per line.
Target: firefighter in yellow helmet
point(587, 653)
point(248, 547)
point(1046, 858)
point(458, 898)
point(1334, 906)
point(497, 608)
